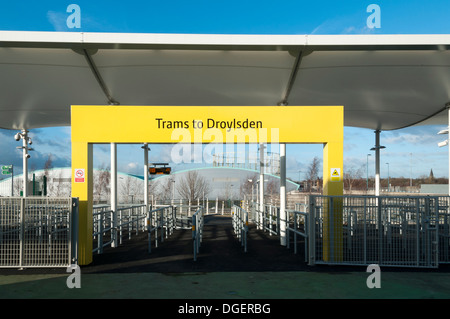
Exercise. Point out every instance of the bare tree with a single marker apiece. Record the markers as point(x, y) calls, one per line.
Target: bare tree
point(153, 189)
point(193, 186)
point(166, 189)
point(249, 185)
point(131, 189)
point(48, 165)
point(351, 176)
point(312, 172)
point(273, 187)
point(102, 179)
point(18, 184)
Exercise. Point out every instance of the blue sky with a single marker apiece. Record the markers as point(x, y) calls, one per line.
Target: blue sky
point(412, 150)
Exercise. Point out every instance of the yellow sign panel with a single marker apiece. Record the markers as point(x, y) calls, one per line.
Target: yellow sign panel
point(207, 124)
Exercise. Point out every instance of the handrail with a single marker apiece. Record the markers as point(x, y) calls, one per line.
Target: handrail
point(296, 217)
point(160, 218)
point(100, 229)
point(240, 224)
point(132, 218)
point(104, 224)
point(268, 219)
point(197, 230)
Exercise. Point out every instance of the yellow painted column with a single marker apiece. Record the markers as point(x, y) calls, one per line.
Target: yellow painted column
point(82, 187)
point(333, 161)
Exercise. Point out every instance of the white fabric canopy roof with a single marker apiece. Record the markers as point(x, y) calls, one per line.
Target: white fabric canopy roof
point(384, 82)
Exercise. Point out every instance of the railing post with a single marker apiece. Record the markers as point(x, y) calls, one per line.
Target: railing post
point(380, 229)
point(246, 230)
point(161, 223)
point(149, 230)
point(100, 233)
point(295, 234)
point(22, 229)
point(194, 235)
point(311, 231)
point(74, 231)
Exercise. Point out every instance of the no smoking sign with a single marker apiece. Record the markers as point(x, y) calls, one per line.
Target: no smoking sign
point(79, 175)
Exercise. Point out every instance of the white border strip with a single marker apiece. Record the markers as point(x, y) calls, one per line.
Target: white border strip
point(33, 37)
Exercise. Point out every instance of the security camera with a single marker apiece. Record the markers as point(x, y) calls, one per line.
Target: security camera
point(28, 156)
point(30, 141)
point(17, 137)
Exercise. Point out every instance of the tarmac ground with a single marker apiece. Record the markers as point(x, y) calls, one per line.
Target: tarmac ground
point(267, 272)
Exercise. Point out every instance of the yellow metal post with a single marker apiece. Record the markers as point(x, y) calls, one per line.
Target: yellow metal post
point(82, 187)
point(199, 124)
point(333, 186)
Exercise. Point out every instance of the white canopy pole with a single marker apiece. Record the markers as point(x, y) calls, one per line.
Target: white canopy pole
point(146, 149)
point(448, 110)
point(261, 184)
point(377, 161)
point(115, 242)
point(283, 194)
point(25, 162)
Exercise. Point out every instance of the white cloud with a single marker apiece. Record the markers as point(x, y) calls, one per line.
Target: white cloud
point(355, 24)
point(421, 136)
point(58, 20)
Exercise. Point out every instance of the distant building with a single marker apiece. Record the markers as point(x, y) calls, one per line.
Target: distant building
point(434, 189)
point(225, 183)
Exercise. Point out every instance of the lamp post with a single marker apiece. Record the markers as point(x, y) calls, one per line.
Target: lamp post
point(377, 161)
point(441, 144)
point(389, 185)
point(251, 181)
point(367, 171)
point(173, 191)
point(146, 149)
point(410, 169)
point(25, 141)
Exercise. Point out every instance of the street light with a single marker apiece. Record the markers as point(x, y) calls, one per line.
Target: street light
point(410, 169)
point(389, 185)
point(443, 143)
point(367, 169)
point(25, 141)
point(251, 181)
point(173, 191)
point(377, 149)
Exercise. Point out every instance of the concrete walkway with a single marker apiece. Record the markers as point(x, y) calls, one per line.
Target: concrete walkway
point(230, 285)
point(222, 272)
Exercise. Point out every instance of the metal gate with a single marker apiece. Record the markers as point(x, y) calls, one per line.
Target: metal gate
point(38, 232)
point(363, 230)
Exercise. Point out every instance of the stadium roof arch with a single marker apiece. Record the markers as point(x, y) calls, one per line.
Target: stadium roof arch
point(384, 82)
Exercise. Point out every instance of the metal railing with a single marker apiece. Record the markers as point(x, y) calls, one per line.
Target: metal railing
point(405, 231)
point(197, 230)
point(268, 220)
point(162, 220)
point(361, 230)
point(240, 225)
point(444, 229)
point(38, 232)
point(297, 224)
point(103, 229)
point(129, 220)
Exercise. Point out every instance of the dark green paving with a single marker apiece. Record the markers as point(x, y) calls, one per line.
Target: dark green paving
point(222, 271)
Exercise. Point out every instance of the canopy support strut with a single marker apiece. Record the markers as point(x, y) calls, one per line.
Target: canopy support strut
point(99, 78)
